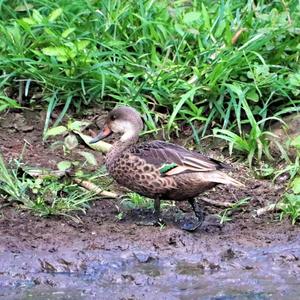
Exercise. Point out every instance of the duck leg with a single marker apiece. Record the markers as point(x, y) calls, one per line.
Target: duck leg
point(157, 209)
point(156, 221)
point(198, 213)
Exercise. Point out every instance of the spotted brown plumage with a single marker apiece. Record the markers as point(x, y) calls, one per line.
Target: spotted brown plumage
point(158, 169)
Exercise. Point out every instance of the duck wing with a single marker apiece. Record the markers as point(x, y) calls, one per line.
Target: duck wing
point(173, 159)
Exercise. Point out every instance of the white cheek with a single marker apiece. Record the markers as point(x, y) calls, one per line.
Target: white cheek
point(122, 127)
point(117, 127)
point(128, 130)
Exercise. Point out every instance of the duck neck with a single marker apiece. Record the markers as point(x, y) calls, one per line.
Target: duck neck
point(120, 146)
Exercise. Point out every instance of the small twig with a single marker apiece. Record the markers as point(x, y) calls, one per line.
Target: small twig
point(6, 204)
point(84, 183)
point(269, 208)
point(11, 202)
point(94, 188)
point(217, 203)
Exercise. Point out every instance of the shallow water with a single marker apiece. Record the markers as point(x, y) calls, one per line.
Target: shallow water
point(240, 273)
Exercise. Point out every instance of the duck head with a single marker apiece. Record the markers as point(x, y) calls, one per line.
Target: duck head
point(124, 120)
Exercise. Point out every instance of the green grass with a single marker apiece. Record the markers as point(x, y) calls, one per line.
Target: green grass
point(44, 196)
point(174, 60)
point(11, 186)
point(134, 200)
point(225, 215)
point(290, 207)
point(290, 204)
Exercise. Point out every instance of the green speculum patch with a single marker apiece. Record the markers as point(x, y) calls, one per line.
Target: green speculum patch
point(167, 167)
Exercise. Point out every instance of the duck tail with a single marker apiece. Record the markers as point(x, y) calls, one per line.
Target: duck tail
point(220, 177)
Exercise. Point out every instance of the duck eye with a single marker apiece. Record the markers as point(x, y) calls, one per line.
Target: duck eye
point(113, 117)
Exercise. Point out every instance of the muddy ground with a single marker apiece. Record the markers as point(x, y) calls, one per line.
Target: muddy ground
point(103, 257)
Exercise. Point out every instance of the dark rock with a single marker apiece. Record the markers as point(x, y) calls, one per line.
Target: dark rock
point(227, 255)
point(143, 257)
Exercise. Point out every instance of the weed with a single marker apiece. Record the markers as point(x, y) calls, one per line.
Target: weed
point(292, 169)
point(70, 143)
point(6, 103)
point(120, 216)
point(290, 207)
point(162, 226)
point(55, 198)
point(10, 185)
point(42, 195)
point(265, 171)
point(224, 216)
point(134, 200)
point(254, 143)
point(290, 204)
point(165, 58)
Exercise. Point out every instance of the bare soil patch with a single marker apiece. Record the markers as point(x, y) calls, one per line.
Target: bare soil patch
point(103, 255)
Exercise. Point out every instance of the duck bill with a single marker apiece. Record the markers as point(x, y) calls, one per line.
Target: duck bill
point(105, 132)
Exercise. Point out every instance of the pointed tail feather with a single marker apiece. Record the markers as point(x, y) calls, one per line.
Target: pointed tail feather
point(220, 177)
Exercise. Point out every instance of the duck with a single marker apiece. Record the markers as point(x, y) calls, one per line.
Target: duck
point(157, 169)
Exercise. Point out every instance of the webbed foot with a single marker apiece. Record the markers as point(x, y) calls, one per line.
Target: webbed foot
point(191, 225)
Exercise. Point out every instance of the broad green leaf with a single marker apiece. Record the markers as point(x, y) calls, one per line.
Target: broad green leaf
point(205, 16)
point(37, 17)
point(55, 14)
point(179, 29)
point(71, 141)
point(24, 7)
point(63, 59)
point(77, 125)
point(64, 165)
point(296, 142)
point(56, 131)
point(252, 95)
point(90, 158)
point(191, 17)
point(27, 21)
point(82, 44)
point(220, 29)
point(67, 32)
point(296, 185)
point(3, 107)
point(55, 51)
point(236, 88)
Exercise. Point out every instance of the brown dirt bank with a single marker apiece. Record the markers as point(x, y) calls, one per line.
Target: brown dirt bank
point(56, 258)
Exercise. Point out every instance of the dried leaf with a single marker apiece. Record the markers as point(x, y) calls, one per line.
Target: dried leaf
point(100, 146)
